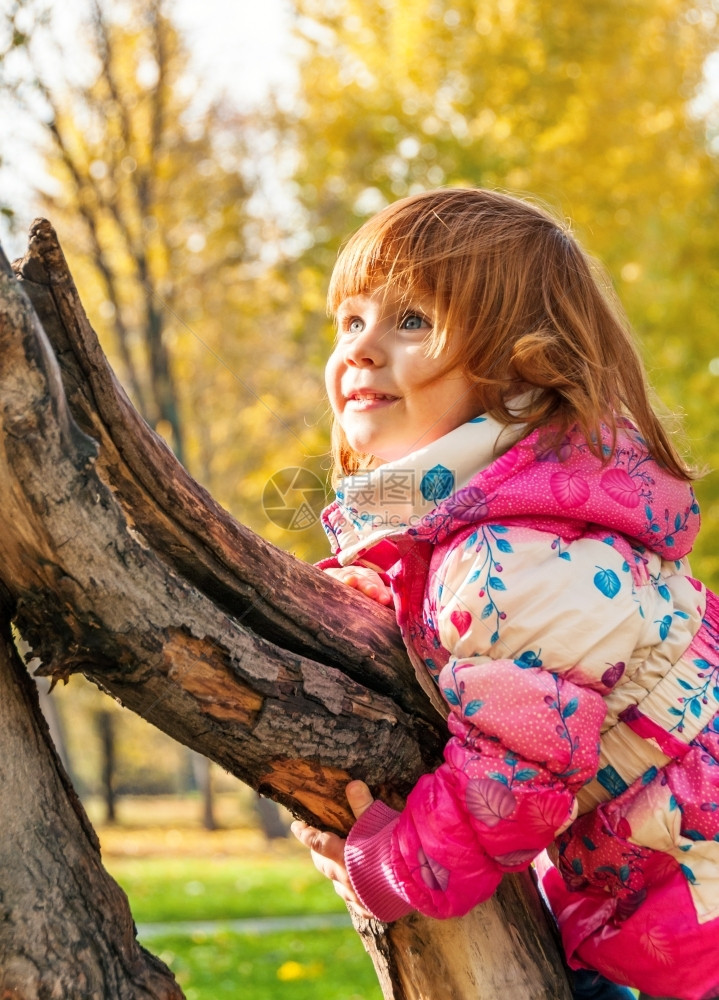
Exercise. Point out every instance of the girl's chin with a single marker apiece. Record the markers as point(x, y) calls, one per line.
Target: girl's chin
point(380, 455)
point(382, 447)
point(384, 457)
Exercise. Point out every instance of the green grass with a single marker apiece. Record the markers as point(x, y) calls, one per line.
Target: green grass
point(283, 965)
point(166, 889)
point(330, 965)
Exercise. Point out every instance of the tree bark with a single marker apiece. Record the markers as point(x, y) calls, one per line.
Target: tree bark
point(65, 926)
point(122, 567)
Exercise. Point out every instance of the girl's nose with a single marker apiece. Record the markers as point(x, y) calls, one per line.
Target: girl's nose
point(366, 350)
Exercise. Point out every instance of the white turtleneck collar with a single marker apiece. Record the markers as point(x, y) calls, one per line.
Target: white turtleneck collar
point(385, 501)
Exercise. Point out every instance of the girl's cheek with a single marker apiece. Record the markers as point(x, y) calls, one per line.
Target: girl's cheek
point(331, 372)
point(332, 380)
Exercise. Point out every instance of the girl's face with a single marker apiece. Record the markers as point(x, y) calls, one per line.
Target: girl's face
point(382, 384)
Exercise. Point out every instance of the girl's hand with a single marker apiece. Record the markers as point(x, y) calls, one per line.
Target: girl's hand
point(328, 850)
point(366, 580)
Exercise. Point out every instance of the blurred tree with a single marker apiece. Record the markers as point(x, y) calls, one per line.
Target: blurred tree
point(106, 732)
point(590, 107)
point(17, 22)
point(144, 194)
point(153, 188)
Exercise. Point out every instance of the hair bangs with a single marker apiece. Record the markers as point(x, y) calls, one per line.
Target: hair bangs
point(394, 248)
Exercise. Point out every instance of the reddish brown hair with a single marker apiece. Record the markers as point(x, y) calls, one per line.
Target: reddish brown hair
point(517, 305)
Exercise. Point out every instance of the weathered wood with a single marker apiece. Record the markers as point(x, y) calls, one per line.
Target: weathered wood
point(120, 566)
point(501, 949)
point(66, 928)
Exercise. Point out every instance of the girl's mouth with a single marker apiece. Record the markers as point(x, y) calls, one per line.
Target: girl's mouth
point(369, 400)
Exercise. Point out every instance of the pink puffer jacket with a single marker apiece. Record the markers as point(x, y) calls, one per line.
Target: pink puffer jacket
point(549, 597)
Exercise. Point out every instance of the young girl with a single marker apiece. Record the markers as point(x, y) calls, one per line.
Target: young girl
point(508, 485)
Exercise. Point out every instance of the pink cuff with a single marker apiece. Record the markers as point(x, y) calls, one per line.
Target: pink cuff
point(330, 562)
point(368, 859)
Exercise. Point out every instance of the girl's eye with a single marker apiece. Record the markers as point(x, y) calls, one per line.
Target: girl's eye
point(413, 321)
point(355, 325)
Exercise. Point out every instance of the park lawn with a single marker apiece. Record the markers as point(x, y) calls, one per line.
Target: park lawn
point(281, 882)
point(289, 965)
point(330, 964)
point(220, 888)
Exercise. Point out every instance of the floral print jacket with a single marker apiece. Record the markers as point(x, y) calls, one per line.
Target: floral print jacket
point(547, 594)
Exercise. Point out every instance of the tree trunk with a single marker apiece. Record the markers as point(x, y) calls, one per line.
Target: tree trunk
point(270, 817)
point(202, 772)
point(48, 707)
point(106, 731)
point(65, 926)
point(122, 567)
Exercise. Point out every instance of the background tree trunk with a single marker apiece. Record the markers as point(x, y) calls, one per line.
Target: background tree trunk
point(271, 820)
point(48, 707)
point(106, 731)
point(202, 772)
point(120, 566)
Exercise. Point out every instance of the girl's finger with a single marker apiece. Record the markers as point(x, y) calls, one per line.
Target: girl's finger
point(376, 590)
point(330, 869)
point(366, 580)
point(572, 816)
point(329, 845)
point(344, 574)
point(359, 797)
point(348, 895)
